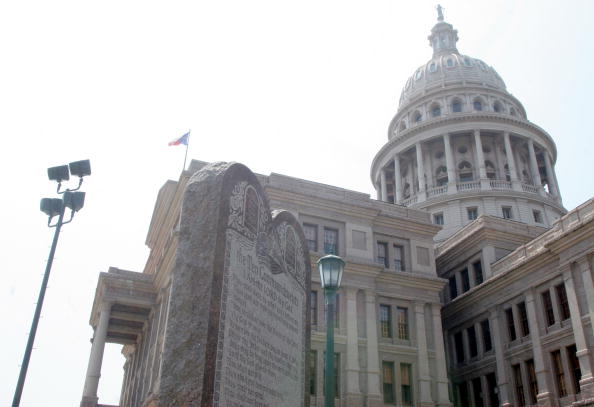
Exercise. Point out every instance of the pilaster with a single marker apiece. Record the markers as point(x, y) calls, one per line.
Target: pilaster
point(442, 397)
point(422, 355)
point(502, 378)
point(583, 353)
point(374, 394)
point(353, 392)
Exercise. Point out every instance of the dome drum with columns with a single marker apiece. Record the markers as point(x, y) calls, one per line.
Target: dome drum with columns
point(460, 145)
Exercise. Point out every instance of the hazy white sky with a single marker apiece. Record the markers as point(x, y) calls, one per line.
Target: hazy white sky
point(303, 88)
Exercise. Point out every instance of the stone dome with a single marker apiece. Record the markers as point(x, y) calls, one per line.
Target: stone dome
point(448, 67)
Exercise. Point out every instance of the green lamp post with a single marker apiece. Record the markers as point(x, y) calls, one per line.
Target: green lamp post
point(331, 268)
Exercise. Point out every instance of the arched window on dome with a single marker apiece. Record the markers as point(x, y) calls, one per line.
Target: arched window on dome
point(441, 176)
point(512, 111)
point(465, 172)
point(433, 67)
point(478, 105)
point(456, 105)
point(406, 190)
point(402, 125)
point(490, 168)
point(467, 62)
point(507, 174)
point(450, 62)
point(497, 107)
point(418, 74)
point(435, 110)
point(417, 116)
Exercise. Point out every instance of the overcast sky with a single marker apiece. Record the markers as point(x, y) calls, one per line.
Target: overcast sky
point(303, 88)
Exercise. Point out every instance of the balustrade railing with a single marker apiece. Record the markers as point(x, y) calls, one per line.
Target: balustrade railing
point(410, 201)
point(437, 191)
point(500, 184)
point(530, 188)
point(469, 186)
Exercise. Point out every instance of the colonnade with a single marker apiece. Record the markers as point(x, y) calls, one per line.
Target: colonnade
point(515, 182)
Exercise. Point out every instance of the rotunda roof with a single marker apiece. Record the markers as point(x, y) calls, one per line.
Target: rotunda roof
point(448, 67)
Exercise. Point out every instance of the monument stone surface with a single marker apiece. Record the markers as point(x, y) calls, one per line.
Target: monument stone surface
point(238, 323)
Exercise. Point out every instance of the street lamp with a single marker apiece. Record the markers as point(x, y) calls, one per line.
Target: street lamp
point(52, 207)
point(331, 268)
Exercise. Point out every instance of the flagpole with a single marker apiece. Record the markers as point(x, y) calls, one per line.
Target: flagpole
point(187, 145)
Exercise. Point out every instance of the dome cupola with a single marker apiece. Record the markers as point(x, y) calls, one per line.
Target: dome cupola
point(443, 37)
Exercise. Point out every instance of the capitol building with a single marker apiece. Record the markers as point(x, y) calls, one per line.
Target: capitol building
point(467, 282)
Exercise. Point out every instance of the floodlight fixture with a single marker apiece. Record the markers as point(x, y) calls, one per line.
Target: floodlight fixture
point(51, 206)
point(74, 200)
point(59, 173)
point(80, 168)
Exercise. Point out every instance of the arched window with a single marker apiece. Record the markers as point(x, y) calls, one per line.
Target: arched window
point(467, 62)
point(251, 212)
point(419, 74)
point(435, 110)
point(456, 106)
point(402, 125)
point(497, 107)
point(490, 169)
point(406, 191)
point(512, 111)
point(478, 105)
point(441, 176)
point(433, 67)
point(526, 177)
point(507, 174)
point(465, 171)
point(450, 62)
point(418, 116)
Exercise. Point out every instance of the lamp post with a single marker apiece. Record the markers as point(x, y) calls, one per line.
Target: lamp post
point(52, 207)
point(331, 268)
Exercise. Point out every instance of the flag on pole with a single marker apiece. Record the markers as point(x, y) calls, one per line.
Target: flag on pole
point(181, 140)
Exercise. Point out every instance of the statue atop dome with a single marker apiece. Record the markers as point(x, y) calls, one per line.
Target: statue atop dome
point(439, 12)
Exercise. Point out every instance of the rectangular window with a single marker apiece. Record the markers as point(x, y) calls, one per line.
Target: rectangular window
point(511, 328)
point(559, 374)
point(478, 272)
point(453, 287)
point(574, 367)
point(311, 236)
point(563, 303)
point(532, 382)
point(314, 307)
point(438, 218)
point(519, 386)
point(463, 394)
point(493, 390)
point(331, 241)
point(388, 379)
point(523, 319)
point(399, 258)
point(336, 374)
point(472, 345)
point(385, 321)
point(506, 212)
point(382, 254)
point(537, 216)
point(548, 308)
point(459, 344)
point(406, 384)
point(478, 392)
point(402, 322)
point(313, 364)
point(486, 330)
point(472, 213)
point(465, 280)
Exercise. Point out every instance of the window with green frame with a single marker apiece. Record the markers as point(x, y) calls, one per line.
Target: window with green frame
point(406, 384)
point(388, 382)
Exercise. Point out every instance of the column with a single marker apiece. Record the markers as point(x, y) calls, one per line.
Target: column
point(534, 165)
point(397, 179)
point(450, 164)
point(384, 186)
point(579, 334)
point(511, 164)
point(420, 172)
point(374, 394)
point(544, 396)
point(583, 266)
point(378, 191)
point(551, 180)
point(353, 392)
point(502, 379)
point(423, 358)
point(480, 158)
point(443, 398)
point(90, 398)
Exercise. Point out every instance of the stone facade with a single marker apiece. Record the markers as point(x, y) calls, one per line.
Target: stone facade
point(467, 283)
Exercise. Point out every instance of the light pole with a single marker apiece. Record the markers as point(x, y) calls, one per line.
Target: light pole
point(53, 207)
point(331, 268)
